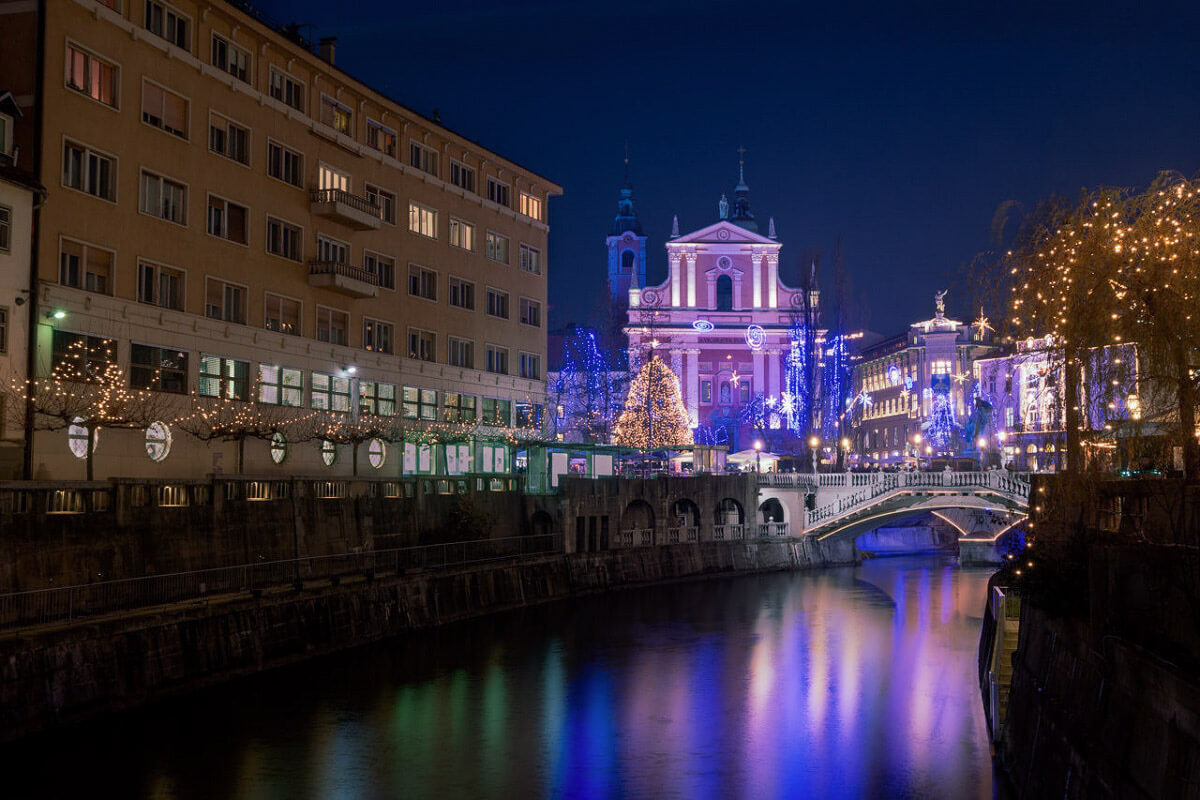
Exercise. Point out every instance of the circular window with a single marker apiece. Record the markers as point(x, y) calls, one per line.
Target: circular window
point(279, 447)
point(77, 438)
point(724, 263)
point(376, 453)
point(328, 452)
point(158, 441)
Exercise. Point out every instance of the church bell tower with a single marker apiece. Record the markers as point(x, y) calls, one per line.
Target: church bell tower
point(626, 246)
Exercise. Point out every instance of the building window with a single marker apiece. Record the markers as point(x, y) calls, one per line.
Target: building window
point(5, 228)
point(227, 138)
point(531, 312)
point(497, 360)
point(378, 336)
point(497, 247)
point(287, 89)
point(422, 282)
point(285, 164)
point(423, 158)
point(462, 234)
point(279, 448)
point(385, 201)
point(496, 412)
point(531, 259)
point(337, 116)
point(331, 178)
point(458, 407)
point(422, 220)
point(163, 198)
point(85, 266)
point(224, 377)
point(531, 366)
point(939, 368)
point(165, 21)
point(158, 368)
point(227, 220)
point(158, 441)
point(376, 453)
point(89, 171)
point(382, 267)
point(3, 329)
point(75, 356)
point(282, 314)
point(462, 176)
point(498, 192)
point(91, 75)
point(225, 301)
point(333, 251)
point(332, 325)
point(420, 403)
point(228, 57)
point(462, 294)
point(460, 352)
point(280, 386)
point(377, 398)
point(706, 391)
point(529, 415)
point(497, 303)
point(330, 392)
point(328, 451)
point(531, 206)
point(422, 345)
point(381, 138)
point(160, 286)
point(165, 110)
point(284, 239)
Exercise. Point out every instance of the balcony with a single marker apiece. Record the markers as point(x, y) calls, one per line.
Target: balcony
point(339, 277)
point(357, 212)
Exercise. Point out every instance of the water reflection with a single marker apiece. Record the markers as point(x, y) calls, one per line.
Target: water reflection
point(843, 683)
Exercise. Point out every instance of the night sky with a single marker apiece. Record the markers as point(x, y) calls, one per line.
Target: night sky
point(901, 127)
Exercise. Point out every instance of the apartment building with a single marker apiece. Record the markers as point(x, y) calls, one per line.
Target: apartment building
point(230, 213)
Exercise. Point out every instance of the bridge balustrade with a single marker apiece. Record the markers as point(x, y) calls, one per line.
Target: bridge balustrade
point(729, 532)
point(768, 529)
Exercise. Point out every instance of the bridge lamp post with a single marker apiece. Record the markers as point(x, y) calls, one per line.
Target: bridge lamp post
point(846, 452)
point(1001, 436)
point(814, 442)
point(917, 449)
point(929, 455)
point(757, 453)
point(982, 442)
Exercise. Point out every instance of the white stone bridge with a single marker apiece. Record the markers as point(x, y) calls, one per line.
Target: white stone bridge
point(980, 505)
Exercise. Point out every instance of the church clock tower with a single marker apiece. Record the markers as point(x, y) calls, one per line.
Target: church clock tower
point(626, 246)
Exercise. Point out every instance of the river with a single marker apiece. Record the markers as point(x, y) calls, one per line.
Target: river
point(846, 682)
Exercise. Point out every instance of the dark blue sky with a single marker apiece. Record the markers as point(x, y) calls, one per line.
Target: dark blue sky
point(900, 127)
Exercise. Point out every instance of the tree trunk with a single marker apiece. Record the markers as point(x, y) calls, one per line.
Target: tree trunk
point(91, 452)
point(1186, 394)
point(354, 458)
point(1071, 401)
point(241, 456)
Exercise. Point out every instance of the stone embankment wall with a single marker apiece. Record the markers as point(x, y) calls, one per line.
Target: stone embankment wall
point(56, 676)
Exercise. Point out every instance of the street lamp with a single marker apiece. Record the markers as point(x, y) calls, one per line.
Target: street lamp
point(929, 455)
point(1001, 436)
point(917, 449)
point(814, 442)
point(846, 453)
point(982, 442)
point(757, 453)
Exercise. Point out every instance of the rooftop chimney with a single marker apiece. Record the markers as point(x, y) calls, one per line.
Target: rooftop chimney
point(328, 48)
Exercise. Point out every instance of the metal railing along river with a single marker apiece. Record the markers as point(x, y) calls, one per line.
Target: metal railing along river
point(67, 603)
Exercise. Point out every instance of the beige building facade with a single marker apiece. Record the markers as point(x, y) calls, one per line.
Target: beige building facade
point(239, 217)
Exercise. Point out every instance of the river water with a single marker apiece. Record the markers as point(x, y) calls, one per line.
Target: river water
point(846, 682)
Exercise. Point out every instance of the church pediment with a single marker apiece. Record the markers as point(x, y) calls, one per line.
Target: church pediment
point(723, 232)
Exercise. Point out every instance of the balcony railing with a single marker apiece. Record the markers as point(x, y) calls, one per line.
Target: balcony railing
point(355, 211)
point(341, 277)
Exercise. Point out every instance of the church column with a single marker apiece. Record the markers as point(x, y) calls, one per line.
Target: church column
point(773, 280)
point(677, 365)
point(691, 279)
point(674, 280)
point(691, 377)
point(756, 268)
point(773, 372)
point(760, 375)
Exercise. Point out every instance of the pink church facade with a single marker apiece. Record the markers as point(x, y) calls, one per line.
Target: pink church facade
point(722, 320)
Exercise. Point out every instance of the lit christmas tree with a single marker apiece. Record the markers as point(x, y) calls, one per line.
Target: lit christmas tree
point(654, 415)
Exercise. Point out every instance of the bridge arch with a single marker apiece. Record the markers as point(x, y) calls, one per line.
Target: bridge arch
point(856, 527)
point(637, 515)
point(771, 510)
point(729, 512)
point(685, 513)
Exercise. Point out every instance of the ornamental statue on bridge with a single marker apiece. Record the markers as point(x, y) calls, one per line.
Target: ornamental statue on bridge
point(747, 348)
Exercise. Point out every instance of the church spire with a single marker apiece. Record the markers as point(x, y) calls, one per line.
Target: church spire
point(626, 219)
point(741, 203)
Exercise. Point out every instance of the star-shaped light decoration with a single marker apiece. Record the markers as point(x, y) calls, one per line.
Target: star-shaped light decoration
point(787, 403)
point(960, 377)
point(653, 343)
point(735, 379)
point(982, 324)
point(769, 402)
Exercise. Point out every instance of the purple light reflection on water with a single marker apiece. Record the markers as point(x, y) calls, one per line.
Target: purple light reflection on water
point(855, 682)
